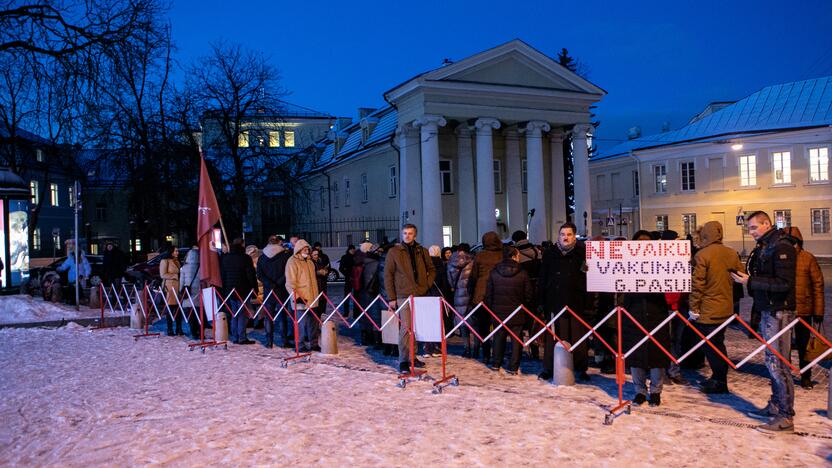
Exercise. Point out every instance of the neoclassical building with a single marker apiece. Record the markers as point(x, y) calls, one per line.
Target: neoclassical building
point(470, 147)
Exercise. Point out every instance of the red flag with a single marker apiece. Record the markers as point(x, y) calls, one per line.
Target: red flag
point(207, 217)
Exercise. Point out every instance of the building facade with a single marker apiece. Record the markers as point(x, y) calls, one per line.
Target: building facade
point(769, 151)
point(471, 147)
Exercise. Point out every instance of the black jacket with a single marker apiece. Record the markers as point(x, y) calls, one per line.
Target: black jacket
point(115, 264)
point(508, 287)
point(649, 309)
point(271, 271)
point(562, 280)
point(772, 266)
point(238, 273)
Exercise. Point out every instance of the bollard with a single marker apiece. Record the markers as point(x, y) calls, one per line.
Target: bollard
point(136, 317)
point(562, 369)
point(329, 338)
point(221, 327)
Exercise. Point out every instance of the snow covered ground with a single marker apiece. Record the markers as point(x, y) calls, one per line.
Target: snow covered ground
point(19, 309)
point(75, 397)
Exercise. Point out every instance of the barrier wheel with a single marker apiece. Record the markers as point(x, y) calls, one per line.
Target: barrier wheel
point(309, 358)
point(629, 409)
point(284, 364)
point(203, 350)
point(402, 383)
point(190, 349)
point(225, 346)
point(437, 390)
point(608, 419)
point(455, 382)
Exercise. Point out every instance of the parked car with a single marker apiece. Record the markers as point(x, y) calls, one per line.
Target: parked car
point(334, 275)
point(149, 270)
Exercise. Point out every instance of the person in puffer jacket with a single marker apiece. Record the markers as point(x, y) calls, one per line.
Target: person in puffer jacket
point(508, 287)
point(459, 272)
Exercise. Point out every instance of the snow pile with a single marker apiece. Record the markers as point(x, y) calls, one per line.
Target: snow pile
point(26, 309)
point(75, 397)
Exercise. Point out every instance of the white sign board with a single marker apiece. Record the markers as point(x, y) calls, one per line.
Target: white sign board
point(209, 303)
point(390, 333)
point(428, 319)
point(638, 266)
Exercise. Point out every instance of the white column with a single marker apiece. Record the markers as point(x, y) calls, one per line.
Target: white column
point(430, 232)
point(410, 184)
point(486, 218)
point(535, 193)
point(557, 208)
point(516, 218)
point(580, 157)
point(465, 189)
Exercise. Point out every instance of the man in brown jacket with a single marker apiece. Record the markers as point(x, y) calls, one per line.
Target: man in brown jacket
point(408, 271)
point(712, 299)
point(808, 295)
point(302, 283)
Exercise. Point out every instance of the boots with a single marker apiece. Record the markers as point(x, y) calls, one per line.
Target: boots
point(169, 322)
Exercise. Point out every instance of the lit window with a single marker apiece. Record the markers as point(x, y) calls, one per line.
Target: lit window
point(635, 183)
point(445, 177)
point(274, 139)
point(94, 249)
point(498, 176)
point(782, 162)
point(524, 176)
point(660, 174)
point(688, 176)
point(39, 155)
point(36, 239)
point(242, 142)
point(33, 187)
point(689, 223)
point(783, 218)
point(365, 193)
point(137, 245)
point(661, 223)
point(447, 236)
point(289, 139)
point(818, 164)
point(346, 191)
point(820, 221)
point(748, 170)
point(53, 190)
point(392, 183)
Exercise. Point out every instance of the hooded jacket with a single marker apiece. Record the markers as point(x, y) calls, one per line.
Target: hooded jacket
point(712, 288)
point(189, 277)
point(484, 262)
point(300, 276)
point(508, 287)
point(459, 273)
point(772, 267)
point(271, 271)
point(808, 281)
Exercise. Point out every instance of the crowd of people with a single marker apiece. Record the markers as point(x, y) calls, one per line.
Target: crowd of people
point(782, 279)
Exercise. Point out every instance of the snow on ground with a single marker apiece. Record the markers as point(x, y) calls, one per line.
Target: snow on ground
point(20, 309)
point(74, 397)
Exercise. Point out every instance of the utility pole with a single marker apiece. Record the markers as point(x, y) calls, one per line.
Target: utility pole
point(76, 205)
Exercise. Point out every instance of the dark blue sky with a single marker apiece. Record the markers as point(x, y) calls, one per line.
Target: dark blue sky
point(658, 60)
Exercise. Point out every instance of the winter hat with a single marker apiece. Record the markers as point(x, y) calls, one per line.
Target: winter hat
point(434, 251)
point(366, 247)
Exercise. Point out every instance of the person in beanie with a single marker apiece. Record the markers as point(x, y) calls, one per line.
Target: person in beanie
point(809, 296)
point(771, 282)
point(302, 283)
point(408, 271)
point(238, 276)
point(169, 272)
point(484, 262)
point(508, 287)
point(271, 271)
point(459, 274)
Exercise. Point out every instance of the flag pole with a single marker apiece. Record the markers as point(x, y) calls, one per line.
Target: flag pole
point(222, 226)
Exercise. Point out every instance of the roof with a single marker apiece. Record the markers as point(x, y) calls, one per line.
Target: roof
point(26, 135)
point(285, 109)
point(788, 106)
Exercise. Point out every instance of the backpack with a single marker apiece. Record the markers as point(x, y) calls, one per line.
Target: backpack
point(355, 276)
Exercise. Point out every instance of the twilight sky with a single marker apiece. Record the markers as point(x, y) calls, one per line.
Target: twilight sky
point(660, 61)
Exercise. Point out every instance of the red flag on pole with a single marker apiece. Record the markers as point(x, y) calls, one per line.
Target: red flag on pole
point(208, 216)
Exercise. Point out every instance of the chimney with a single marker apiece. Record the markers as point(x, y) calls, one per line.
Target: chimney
point(634, 132)
point(365, 111)
point(341, 123)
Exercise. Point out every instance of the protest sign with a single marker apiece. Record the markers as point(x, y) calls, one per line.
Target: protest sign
point(638, 266)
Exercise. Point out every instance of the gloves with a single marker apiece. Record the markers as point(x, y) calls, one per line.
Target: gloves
point(693, 316)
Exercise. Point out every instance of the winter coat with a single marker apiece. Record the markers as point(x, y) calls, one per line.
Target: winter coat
point(301, 278)
point(114, 264)
point(271, 271)
point(321, 264)
point(345, 267)
point(508, 287)
point(189, 278)
point(649, 309)
point(72, 271)
point(459, 273)
point(808, 283)
point(562, 280)
point(238, 273)
point(712, 288)
point(772, 267)
point(169, 272)
point(484, 262)
point(440, 283)
point(369, 277)
point(399, 279)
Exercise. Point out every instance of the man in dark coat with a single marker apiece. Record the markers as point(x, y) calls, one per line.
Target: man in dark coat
point(508, 287)
point(238, 274)
point(562, 283)
point(115, 264)
point(271, 271)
